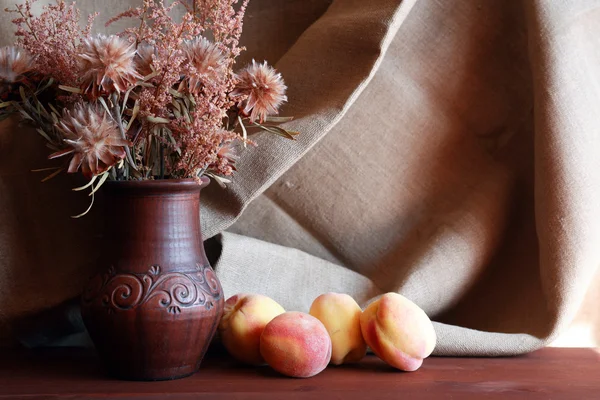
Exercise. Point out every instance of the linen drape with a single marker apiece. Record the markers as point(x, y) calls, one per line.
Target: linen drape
point(449, 151)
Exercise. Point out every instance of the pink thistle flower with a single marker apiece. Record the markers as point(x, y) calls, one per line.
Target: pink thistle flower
point(226, 159)
point(261, 91)
point(107, 63)
point(143, 59)
point(206, 63)
point(93, 138)
point(14, 64)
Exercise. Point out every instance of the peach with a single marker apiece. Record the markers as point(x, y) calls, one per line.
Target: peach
point(244, 318)
point(398, 331)
point(296, 344)
point(341, 316)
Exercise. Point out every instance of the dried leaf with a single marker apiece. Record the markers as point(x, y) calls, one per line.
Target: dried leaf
point(150, 76)
point(103, 102)
point(23, 112)
point(41, 132)
point(219, 179)
point(244, 131)
point(103, 179)
point(6, 104)
point(23, 95)
point(87, 185)
point(61, 153)
point(41, 109)
point(147, 149)
point(46, 86)
point(186, 114)
point(45, 169)
point(52, 147)
point(27, 116)
point(157, 120)
point(86, 211)
point(278, 119)
point(276, 130)
point(52, 175)
point(53, 109)
point(125, 98)
point(173, 142)
point(175, 93)
point(70, 89)
point(134, 113)
point(136, 174)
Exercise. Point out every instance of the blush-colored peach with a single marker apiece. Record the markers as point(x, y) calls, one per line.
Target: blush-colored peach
point(244, 319)
point(341, 316)
point(398, 331)
point(296, 344)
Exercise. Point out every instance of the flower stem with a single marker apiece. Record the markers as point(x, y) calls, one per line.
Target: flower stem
point(162, 161)
point(116, 110)
point(28, 24)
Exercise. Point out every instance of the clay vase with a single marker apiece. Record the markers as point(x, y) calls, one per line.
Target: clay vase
point(155, 306)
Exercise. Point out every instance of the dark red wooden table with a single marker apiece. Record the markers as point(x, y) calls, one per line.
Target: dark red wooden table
point(546, 374)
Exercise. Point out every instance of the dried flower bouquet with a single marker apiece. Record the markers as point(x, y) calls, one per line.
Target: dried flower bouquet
point(158, 101)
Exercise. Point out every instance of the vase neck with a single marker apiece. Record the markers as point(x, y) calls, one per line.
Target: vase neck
point(149, 225)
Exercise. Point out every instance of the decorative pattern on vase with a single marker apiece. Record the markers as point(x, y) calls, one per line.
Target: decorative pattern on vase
point(172, 291)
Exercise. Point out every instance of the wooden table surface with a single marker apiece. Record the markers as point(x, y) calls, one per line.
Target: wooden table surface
point(546, 374)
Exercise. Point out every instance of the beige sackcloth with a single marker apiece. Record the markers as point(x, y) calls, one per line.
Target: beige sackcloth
point(449, 151)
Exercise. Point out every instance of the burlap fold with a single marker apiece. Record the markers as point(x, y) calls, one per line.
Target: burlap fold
point(449, 151)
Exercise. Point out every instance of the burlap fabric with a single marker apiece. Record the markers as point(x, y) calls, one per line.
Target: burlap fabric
point(450, 151)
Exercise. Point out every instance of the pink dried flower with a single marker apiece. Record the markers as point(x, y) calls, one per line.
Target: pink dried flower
point(206, 64)
point(93, 138)
point(107, 63)
point(143, 59)
point(182, 60)
point(226, 159)
point(261, 91)
point(53, 37)
point(14, 64)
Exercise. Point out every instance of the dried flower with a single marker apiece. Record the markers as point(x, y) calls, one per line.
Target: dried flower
point(143, 59)
point(107, 63)
point(53, 37)
point(177, 118)
point(261, 91)
point(226, 159)
point(93, 138)
point(206, 64)
point(14, 64)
